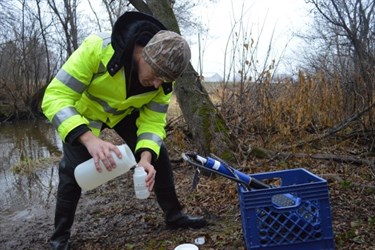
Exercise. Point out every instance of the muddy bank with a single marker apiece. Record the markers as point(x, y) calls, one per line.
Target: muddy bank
point(109, 217)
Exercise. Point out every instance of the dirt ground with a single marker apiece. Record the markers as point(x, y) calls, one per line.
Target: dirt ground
point(109, 217)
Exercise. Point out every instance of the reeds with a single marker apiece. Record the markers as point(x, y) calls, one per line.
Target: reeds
point(287, 108)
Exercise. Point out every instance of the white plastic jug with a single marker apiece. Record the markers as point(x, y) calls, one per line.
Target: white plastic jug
point(139, 179)
point(89, 178)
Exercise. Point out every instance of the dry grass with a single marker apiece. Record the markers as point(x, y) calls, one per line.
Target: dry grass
point(285, 111)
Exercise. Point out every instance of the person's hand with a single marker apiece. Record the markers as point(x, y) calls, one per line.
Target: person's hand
point(100, 151)
point(145, 162)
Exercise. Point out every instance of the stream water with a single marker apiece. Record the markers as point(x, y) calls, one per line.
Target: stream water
point(28, 177)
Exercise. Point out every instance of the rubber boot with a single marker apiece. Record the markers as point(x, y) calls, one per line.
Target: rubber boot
point(64, 217)
point(67, 199)
point(168, 202)
point(174, 217)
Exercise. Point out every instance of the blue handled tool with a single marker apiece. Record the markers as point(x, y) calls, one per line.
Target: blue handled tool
point(218, 166)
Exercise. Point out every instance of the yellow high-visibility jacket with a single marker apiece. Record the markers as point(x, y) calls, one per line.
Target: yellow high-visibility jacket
point(83, 92)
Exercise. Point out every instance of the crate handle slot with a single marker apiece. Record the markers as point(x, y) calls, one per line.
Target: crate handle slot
point(284, 201)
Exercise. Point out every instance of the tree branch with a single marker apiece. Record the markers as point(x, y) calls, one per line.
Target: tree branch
point(334, 129)
point(272, 155)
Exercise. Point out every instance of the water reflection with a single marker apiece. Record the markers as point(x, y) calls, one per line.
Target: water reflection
point(27, 143)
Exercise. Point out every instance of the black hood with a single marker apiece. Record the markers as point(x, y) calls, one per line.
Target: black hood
point(131, 28)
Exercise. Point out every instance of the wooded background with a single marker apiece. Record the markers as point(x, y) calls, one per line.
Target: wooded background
point(333, 88)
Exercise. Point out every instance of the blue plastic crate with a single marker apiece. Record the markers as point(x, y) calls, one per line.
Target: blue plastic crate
point(305, 223)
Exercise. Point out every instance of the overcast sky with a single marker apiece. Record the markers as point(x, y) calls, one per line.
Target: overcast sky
point(285, 17)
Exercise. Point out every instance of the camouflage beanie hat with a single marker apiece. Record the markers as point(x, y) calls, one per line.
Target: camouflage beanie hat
point(168, 54)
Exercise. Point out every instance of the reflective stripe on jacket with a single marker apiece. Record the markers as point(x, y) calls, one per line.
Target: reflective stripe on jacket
point(83, 92)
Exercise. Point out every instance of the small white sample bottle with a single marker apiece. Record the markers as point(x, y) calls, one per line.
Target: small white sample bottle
point(139, 179)
point(89, 178)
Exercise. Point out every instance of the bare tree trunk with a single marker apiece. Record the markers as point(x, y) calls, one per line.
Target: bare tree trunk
point(205, 122)
point(68, 20)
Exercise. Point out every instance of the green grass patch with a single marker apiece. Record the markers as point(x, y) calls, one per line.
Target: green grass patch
point(29, 166)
